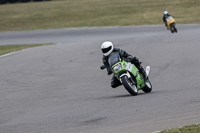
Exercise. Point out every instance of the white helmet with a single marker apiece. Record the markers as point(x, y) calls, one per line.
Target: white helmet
point(107, 48)
point(165, 12)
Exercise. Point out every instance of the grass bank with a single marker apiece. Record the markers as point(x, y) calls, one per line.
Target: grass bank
point(92, 13)
point(12, 48)
point(195, 128)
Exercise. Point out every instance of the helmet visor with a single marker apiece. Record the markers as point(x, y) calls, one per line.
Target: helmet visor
point(105, 50)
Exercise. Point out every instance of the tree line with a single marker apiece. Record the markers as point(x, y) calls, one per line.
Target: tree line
point(16, 1)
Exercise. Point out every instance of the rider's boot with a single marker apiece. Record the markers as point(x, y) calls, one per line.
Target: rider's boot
point(142, 71)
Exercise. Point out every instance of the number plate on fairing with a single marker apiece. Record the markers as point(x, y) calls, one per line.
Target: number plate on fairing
point(129, 67)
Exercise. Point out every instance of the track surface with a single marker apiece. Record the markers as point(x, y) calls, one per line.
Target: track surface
point(60, 88)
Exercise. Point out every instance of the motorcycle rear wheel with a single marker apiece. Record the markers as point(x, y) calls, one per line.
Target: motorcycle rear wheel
point(129, 86)
point(148, 87)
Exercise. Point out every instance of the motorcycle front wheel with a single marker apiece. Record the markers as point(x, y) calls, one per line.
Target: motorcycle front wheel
point(129, 86)
point(175, 29)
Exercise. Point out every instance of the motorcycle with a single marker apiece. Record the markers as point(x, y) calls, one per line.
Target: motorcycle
point(171, 24)
point(128, 74)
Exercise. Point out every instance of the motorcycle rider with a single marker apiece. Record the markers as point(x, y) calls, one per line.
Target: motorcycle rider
point(166, 14)
point(107, 48)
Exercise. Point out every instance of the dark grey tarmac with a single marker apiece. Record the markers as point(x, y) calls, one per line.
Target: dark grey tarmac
point(61, 89)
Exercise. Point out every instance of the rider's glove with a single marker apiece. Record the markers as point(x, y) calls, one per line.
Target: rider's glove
point(101, 67)
point(136, 62)
point(129, 58)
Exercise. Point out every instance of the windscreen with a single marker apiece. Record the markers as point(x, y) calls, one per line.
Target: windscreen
point(169, 18)
point(113, 58)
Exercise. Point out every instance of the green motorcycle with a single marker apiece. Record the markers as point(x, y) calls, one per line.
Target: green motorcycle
point(128, 74)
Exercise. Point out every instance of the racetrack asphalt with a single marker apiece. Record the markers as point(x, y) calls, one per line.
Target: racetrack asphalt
point(61, 89)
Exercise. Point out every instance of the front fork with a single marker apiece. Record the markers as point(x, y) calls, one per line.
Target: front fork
point(128, 75)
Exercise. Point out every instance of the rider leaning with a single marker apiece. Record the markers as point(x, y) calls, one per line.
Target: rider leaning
point(107, 48)
point(166, 14)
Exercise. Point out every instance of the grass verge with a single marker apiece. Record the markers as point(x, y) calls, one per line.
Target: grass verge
point(92, 13)
point(12, 48)
point(194, 128)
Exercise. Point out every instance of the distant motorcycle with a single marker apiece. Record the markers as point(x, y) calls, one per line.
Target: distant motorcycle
point(128, 74)
point(171, 24)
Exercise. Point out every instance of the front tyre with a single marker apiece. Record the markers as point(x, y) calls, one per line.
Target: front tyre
point(129, 86)
point(148, 87)
point(172, 27)
point(175, 29)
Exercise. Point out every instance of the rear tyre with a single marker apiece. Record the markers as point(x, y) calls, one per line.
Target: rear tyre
point(148, 87)
point(129, 86)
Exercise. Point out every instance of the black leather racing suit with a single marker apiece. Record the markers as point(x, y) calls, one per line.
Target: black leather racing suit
point(164, 18)
point(124, 55)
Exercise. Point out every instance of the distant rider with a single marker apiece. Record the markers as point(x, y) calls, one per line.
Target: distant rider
point(166, 14)
point(107, 48)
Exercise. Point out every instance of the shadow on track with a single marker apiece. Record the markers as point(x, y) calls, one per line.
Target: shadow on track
point(124, 96)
